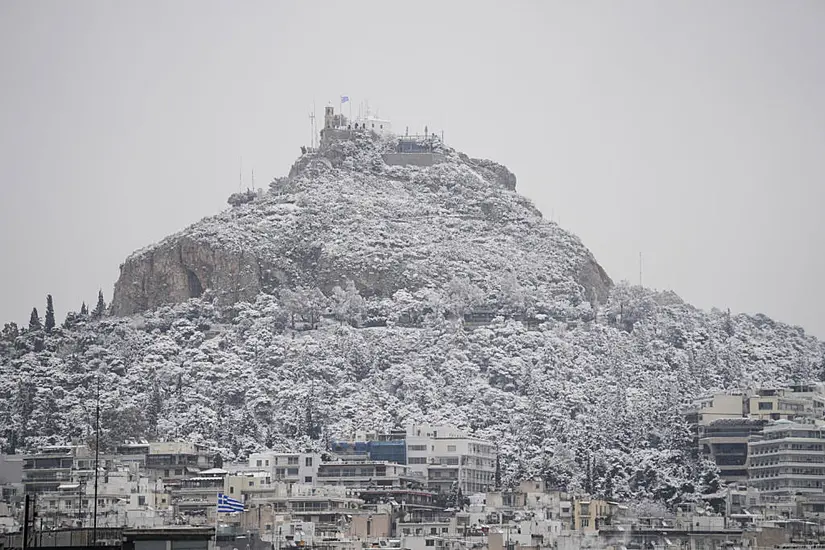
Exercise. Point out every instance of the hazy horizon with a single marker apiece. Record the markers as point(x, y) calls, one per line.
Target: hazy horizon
point(692, 133)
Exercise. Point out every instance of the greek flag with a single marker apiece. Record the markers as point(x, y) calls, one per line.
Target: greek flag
point(344, 98)
point(226, 504)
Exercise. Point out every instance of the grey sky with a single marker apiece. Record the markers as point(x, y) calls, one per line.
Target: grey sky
point(691, 131)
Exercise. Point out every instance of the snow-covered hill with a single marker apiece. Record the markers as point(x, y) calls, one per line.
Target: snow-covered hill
point(345, 215)
point(336, 302)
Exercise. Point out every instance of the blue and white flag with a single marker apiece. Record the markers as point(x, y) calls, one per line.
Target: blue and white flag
point(227, 504)
point(344, 98)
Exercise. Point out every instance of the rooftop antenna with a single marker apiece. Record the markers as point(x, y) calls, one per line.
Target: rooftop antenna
point(253, 179)
point(240, 177)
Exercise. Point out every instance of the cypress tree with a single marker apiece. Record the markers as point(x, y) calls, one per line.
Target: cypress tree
point(498, 471)
point(100, 308)
point(34, 320)
point(49, 313)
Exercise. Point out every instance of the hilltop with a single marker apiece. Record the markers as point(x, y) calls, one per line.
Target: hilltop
point(357, 294)
point(344, 215)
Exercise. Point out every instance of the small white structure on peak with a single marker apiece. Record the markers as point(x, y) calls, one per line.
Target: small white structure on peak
point(372, 123)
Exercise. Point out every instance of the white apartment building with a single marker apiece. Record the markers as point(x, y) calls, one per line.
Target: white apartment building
point(788, 459)
point(446, 455)
point(287, 467)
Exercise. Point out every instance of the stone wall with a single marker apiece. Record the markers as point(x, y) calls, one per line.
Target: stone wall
point(414, 159)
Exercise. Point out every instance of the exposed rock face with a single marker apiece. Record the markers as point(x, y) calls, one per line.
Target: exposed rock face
point(496, 172)
point(182, 268)
point(343, 214)
point(595, 280)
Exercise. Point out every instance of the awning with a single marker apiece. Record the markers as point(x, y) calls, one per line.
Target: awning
point(68, 486)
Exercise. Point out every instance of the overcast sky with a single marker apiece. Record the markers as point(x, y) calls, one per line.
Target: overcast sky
point(693, 132)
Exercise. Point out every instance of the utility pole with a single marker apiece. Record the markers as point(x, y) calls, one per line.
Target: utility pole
point(97, 458)
point(26, 507)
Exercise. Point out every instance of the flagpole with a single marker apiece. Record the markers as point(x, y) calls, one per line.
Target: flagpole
point(217, 504)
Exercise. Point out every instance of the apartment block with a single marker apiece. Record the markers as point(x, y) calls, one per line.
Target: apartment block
point(725, 441)
point(176, 460)
point(778, 404)
point(787, 459)
point(55, 466)
point(287, 467)
point(447, 456)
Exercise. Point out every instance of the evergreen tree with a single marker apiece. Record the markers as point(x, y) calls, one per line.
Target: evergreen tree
point(34, 320)
point(84, 309)
point(100, 308)
point(10, 332)
point(498, 471)
point(49, 313)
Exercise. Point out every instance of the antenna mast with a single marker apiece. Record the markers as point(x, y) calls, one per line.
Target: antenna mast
point(640, 269)
point(312, 130)
point(240, 177)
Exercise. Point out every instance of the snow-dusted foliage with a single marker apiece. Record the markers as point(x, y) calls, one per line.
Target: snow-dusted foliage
point(588, 396)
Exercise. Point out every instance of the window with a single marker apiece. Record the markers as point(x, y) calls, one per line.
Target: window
point(444, 530)
point(258, 463)
point(308, 461)
point(450, 448)
point(765, 406)
point(430, 542)
point(417, 447)
point(417, 460)
point(585, 522)
point(267, 463)
point(179, 472)
point(280, 471)
point(141, 500)
point(292, 471)
point(231, 490)
point(251, 483)
point(292, 460)
point(308, 479)
point(433, 530)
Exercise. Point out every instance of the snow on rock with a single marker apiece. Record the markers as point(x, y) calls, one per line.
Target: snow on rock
point(343, 214)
